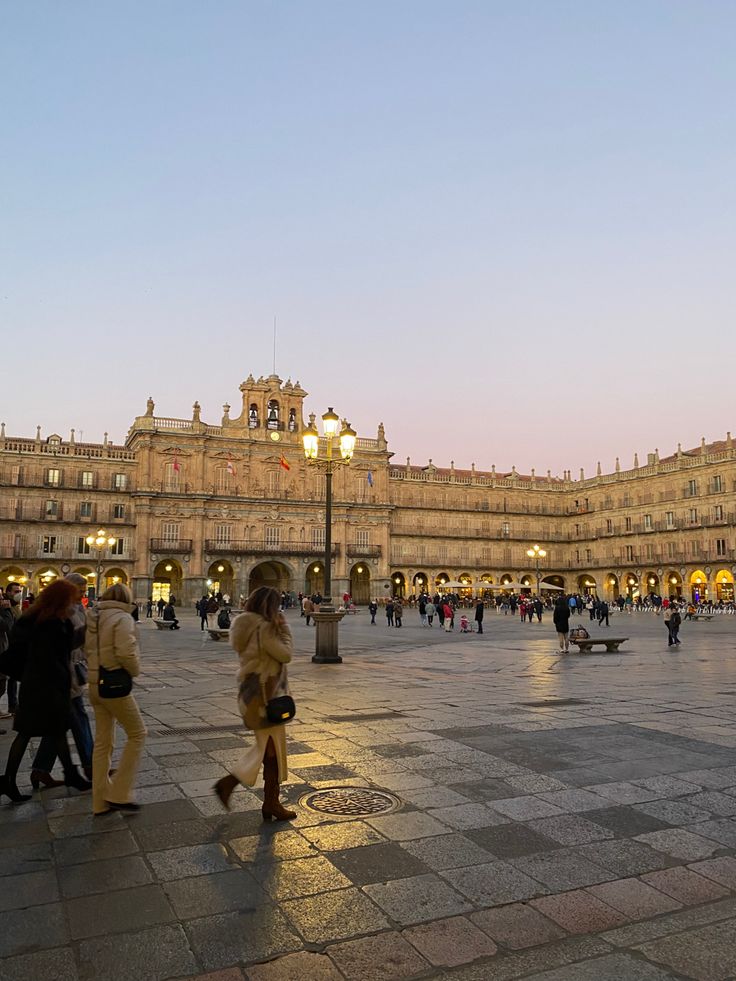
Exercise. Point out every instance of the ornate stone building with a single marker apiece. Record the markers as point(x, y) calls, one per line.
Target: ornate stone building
point(195, 506)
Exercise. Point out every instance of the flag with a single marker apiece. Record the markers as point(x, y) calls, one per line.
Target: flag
point(176, 465)
point(370, 479)
point(230, 466)
point(283, 463)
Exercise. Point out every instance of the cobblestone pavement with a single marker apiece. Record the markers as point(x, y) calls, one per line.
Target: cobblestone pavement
point(561, 819)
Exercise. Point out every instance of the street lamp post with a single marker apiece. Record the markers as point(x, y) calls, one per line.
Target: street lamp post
point(328, 618)
point(99, 542)
point(537, 553)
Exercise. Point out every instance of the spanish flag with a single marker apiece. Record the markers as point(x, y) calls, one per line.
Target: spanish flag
point(283, 463)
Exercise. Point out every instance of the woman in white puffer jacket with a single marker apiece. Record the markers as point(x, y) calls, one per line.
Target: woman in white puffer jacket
point(111, 641)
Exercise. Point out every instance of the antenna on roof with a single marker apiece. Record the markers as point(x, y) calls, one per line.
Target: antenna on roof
point(274, 344)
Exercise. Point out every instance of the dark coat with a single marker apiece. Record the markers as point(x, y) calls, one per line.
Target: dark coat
point(561, 618)
point(45, 700)
point(479, 610)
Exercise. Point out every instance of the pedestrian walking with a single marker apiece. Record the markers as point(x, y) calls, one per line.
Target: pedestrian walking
point(561, 619)
point(430, 610)
point(263, 643)
point(398, 612)
point(373, 609)
point(202, 612)
point(479, 612)
point(307, 608)
point(675, 622)
point(111, 644)
point(390, 613)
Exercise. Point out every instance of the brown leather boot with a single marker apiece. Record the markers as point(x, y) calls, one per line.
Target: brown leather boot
point(272, 808)
point(224, 788)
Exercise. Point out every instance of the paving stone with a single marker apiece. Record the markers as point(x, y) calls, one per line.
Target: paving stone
point(575, 801)
point(272, 846)
point(384, 957)
point(118, 911)
point(686, 886)
point(232, 938)
point(378, 863)
point(534, 783)
point(299, 877)
point(720, 805)
point(447, 852)
point(561, 870)
point(623, 792)
point(624, 857)
point(612, 967)
point(27, 930)
point(673, 812)
point(417, 898)
point(222, 892)
point(625, 821)
point(708, 953)
point(465, 816)
point(166, 812)
point(517, 926)
point(175, 863)
point(295, 967)
point(450, 942)
point(512, 840)
point(150, 955)
point(679, 843)
point(45, 965)
point(78, 825)
point(525, 962)
point(715, 779)
point(525, 808)
point(229, 974)
point(579, 912)
point(494, 884)
point(636, 899)
point(721, 870)
point(174, 835)
point(669, 786)
point(92, 877)
point(26, 858)
point(338, 837)
point(433, 797)
point(407, 827)
point(570, 829)
point(91, 848)
point(334, 916)
point(670, 923)
point(29, 889)
point(722, 831)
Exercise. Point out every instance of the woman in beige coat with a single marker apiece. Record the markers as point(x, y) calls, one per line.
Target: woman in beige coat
point(111, 641)
point(264, 645)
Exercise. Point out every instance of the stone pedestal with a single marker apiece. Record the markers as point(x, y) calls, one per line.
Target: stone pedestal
point(327, 621)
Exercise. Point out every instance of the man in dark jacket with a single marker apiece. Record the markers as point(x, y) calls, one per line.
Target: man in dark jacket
point(170, 616)
point(10, 611)
point(561, 618)
point(479, 611)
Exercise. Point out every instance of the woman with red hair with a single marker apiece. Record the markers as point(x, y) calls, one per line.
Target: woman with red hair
point(44, 638)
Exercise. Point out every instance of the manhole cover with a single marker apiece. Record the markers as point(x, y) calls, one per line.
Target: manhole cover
point(350, 801)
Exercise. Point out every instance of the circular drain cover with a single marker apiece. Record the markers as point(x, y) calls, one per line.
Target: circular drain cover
point(350, 801)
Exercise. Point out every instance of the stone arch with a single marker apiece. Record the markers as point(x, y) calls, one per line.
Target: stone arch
point(724, 585)
point(46, 575)
point(440, 579)
point(612, 585)
point(652, 583)
point(113, 576)
point(221, 577)
point(420, 582)
point(360, 583)
point(278, 575)
point(398, 584)
point(674, 584)
point(587, 586)
point(698, 586)
point(527, 584)
point(12, 573)
point(168, 580)
point(631, 584)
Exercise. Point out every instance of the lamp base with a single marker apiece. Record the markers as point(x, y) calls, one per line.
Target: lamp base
point(326, 621)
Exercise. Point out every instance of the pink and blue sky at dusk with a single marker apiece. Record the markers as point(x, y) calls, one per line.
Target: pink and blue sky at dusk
point(505, 229)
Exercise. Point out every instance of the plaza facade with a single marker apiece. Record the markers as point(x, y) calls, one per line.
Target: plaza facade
point(196, 506)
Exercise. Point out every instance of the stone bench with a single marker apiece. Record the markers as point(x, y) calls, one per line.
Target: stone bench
point(218, 633)
point(165, 624)
point(585, 645)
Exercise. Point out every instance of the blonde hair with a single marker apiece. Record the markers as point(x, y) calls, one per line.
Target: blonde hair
point(119, 593)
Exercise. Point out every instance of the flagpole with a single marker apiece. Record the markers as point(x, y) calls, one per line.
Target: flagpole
point(274, 344)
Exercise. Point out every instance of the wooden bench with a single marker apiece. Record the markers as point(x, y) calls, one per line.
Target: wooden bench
point(218, 633)
point(165, 624)
point(585, 645)
point(701, 616)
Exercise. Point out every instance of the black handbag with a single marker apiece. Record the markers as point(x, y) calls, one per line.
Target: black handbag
point(112, 682)
point(280, 709)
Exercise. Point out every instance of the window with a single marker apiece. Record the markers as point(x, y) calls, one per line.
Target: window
point(223, 481)
point(170, 531)
point(272, 535)
point(671, 549)
point(274, 483)
point(223, 534)
point(119, 547)
point(120, 481)
point(118, 510)
point(692, 488)
point(362, 537)
point(629, 553)
point(628, 523)
point(272, 421)
point(506, 529)
point(85, 509)
point(718, 512)
point(647, 522)
point(52, 509)
point(649, 550)
point(16, 475)
point(172, 476)
point(48, 544)
point(670, 519)
point(318, 537)
point(720, 546)
point(82, 546)
point(693, 516)
point(53, 477)
point(588, 555)
point(87, 479)
point(442, 553)
point(717, 484)
point(486, 555)
point(609, 526)
point(577, 554)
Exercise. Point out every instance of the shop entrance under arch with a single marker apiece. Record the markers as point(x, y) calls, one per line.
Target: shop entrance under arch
point(698, 586)
point(220, 577)
point(398, 584)
point(651, 581)
point(612, 585)
point(360, 583)
point(167, 581)
point(724, 586)
point(587, 586)
point(631, 582)
point(674, 584)
point(271, 573)
point(420, 582)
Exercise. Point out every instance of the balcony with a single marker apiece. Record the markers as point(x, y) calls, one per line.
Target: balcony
point(213, 547)
point(357, 551)
point(177, 547)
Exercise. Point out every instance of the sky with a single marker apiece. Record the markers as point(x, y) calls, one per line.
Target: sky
point(503, 229)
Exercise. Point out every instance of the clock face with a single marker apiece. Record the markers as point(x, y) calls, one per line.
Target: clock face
point(275, 436)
